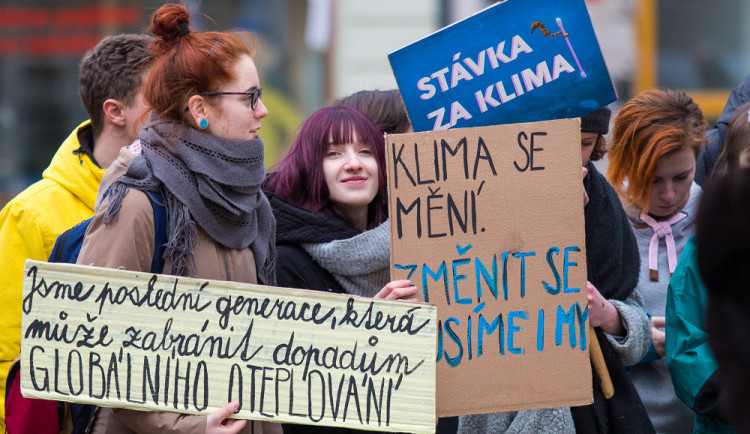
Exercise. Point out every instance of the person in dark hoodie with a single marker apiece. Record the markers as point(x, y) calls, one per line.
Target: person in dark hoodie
point(329, 198)
point(615, 310)
point(615, 305)
point(716, 137)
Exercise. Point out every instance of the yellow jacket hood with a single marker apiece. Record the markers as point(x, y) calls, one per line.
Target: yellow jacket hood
point(75, 172)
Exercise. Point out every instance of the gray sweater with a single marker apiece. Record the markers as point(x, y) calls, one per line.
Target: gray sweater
point(652, 380)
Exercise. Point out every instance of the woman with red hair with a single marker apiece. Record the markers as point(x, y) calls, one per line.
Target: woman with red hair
point(201, 153)
point(656, 138)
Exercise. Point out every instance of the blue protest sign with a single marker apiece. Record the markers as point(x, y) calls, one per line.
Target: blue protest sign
point(516, 61)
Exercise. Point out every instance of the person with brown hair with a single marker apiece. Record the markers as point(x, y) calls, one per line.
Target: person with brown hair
point(202, 154)
point(736, 152)
point(716, 136)
point(384, 107)
point(111, 76)
point(615, 311)
point(656, 138)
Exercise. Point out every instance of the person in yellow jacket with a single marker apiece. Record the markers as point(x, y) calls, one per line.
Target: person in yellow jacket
point(111, 77)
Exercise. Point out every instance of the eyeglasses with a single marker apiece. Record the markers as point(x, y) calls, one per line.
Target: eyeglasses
point(254, 95)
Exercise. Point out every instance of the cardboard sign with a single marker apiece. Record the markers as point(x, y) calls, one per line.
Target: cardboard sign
point(153, 342)
point(516, 61)
point(488, 224)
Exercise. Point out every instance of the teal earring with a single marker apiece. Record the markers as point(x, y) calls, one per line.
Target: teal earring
point(203, 124)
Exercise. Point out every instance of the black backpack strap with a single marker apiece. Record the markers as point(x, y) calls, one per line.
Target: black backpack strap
point(58, 249)
point(61, 410)
point(160, 231)
point(12, 376)
point(81, 416)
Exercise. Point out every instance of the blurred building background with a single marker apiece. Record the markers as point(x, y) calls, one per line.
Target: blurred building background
point(312, 51)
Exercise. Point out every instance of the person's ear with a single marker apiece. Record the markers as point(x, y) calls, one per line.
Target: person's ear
point(113, 111)
point(198, 109)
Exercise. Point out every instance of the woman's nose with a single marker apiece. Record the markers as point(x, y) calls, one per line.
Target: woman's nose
point(667, 193)
point(261, 110)
point(352, 161)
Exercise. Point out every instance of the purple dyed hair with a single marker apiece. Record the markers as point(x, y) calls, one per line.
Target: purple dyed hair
point(299, 178)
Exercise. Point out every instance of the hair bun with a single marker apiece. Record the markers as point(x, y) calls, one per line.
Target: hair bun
point(169, 23)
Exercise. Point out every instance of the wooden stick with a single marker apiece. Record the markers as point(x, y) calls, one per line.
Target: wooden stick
point(597, 359)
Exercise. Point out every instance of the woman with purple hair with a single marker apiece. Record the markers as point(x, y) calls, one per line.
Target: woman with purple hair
point(329, 197)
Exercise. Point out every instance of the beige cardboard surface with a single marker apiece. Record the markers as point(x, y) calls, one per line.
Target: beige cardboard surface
point(152, 342)
point(488, 223)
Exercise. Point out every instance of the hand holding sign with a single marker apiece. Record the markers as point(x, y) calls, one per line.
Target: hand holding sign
point(218, 422)
point(602, 313)
point(401, 290)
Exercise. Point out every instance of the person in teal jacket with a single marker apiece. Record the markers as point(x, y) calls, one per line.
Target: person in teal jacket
point(691, 361)
point(692, 364)
point(722, 237)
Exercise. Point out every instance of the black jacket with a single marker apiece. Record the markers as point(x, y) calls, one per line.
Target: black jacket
point(716, 137)
point(612, 265)
point(295, 268)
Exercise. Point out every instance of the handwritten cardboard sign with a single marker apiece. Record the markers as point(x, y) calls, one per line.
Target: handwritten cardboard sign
point(488, 224)
point(516, 61)
point(153, 342)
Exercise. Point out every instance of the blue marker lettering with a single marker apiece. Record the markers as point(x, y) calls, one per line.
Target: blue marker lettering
point(582, 317)
point(549, 288)
point(566, 264)
point(435, 276)
point(540, 331)
point(457, 278)
point(440, 341)
point(491, 281)
point(512, 329)
point(468, 336)
point(483, 326)
point(453, 361)
point(505, 275)
point(523, 269)
point(568, 318)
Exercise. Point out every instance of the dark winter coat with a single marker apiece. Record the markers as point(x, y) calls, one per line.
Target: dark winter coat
point(295, 268)
point(716, 137)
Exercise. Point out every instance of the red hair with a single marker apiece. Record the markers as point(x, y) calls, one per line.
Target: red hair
point(187, 62)
point(649, 126)
point(299, 177)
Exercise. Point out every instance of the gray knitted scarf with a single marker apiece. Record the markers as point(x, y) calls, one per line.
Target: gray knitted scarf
point(360, 264)
point(208, 181)
point(547, 420)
